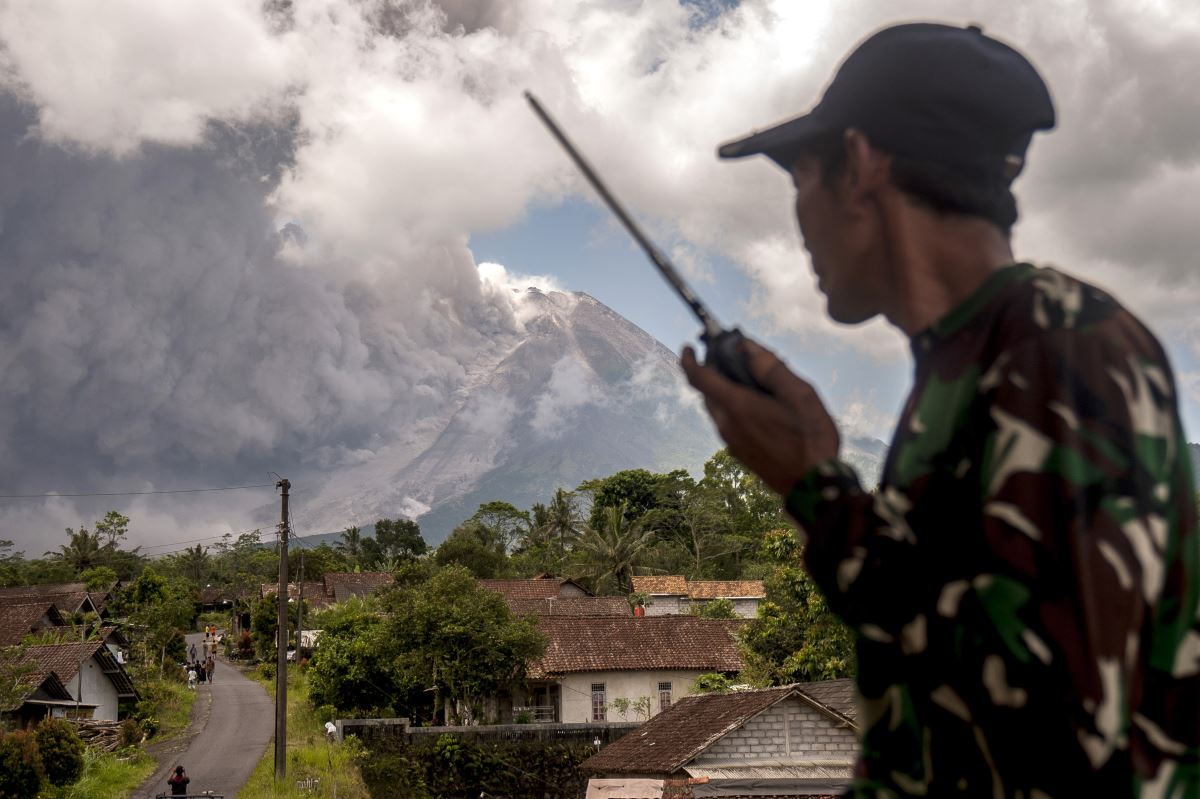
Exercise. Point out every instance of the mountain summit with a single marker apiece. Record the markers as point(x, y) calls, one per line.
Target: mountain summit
point(582, 394)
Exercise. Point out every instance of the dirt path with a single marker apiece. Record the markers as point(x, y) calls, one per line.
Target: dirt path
point(233, 719)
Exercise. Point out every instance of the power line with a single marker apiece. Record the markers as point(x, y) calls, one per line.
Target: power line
point(135, 493)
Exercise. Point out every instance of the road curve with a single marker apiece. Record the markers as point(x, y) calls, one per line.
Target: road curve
point(233, 721)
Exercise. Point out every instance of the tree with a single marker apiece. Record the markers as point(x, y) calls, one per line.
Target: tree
point(112, 528)
point(714, 609)
point(399, 539)
point(795, 637)
point(461, 640)
point(475, 547)
point(440, 649)
point(83, 550)
point(351, 544)
point(634, 489)
point(606, 556)
point(160, 614)
point(98, 578)
point(194, 563)
point(10, 562)
point(505, 523)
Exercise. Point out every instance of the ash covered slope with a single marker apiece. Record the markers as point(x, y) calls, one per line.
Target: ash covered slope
point(585, 393)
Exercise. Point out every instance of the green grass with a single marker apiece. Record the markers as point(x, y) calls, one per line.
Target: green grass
point(105, 776)
point(173, 706)
point(309, 755)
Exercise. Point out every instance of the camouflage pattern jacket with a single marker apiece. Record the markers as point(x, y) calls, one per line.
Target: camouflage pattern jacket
point(1024, 584)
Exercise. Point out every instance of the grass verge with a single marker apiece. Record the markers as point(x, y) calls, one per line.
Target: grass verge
point(333, 766)
point(105, 775)
point(173, 706)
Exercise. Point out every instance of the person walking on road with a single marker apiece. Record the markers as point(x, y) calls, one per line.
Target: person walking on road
point(192, 676)
point(209, 666)
point(179, 782)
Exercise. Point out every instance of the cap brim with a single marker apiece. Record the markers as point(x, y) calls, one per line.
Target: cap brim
point(781, 143)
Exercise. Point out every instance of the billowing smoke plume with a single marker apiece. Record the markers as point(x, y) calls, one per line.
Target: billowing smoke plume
point(234, 235)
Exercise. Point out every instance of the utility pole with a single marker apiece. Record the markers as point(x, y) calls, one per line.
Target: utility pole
point(300, 607)
point(281, 640)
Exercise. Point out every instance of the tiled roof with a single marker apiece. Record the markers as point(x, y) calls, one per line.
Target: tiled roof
point(665, 743)
point(835, 694)
point(537, 588)
point(725, 589)
point(667, 584)
point(67, 597)
point(40, 679)
point(689, 726)
point(18, 621)
point(571, 606)
point(100, 599)
point(64, 660)
point(578, 644)
point(343, 585)
point(44, 588)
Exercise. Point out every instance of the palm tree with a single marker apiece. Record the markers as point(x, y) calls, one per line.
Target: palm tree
point(194, 562)
point(563, 517)
point(610, 554)
point(351, 543)
point(83, 549)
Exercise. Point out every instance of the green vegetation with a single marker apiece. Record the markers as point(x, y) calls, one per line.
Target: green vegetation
point(437, 650)
point(106, 775)
point(452, 767)
point(310, 756)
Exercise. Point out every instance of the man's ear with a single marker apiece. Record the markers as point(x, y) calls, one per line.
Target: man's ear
point(867, 170)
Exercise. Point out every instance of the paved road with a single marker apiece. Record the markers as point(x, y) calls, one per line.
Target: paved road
point(233, 721)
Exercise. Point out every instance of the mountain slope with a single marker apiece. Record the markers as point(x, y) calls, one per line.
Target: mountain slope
point(583, 394)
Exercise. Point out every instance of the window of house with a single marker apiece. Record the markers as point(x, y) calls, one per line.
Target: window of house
point(599, 702)
point(664, 695)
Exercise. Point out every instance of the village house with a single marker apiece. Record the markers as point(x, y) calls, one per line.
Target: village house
point(69, 598)
point(88, 671)
point(619, 668)
point(794, 741)
point(44, 696)
point(333, 588)
point(674, 594)
point(20, 620)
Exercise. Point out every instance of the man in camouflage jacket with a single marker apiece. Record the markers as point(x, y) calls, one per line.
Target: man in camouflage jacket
point(1025, 583)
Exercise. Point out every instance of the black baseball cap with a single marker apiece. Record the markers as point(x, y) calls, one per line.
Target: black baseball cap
point(928, 92)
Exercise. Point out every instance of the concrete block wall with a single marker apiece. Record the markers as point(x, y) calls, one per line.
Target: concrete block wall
point(791, 728)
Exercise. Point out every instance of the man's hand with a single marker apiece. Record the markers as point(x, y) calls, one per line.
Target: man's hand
point(779, 437)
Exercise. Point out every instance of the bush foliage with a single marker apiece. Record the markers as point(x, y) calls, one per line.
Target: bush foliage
point(20, 766)
point(61, 751)
point(450, 767)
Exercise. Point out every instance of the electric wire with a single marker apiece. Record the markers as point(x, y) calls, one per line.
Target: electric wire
point(134, 493)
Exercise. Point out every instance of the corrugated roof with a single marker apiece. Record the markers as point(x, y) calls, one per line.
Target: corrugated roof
point(681, 732)
point(18, 621)
point(571, 606)
point(579, 644)
point(660, 584)
point(725, 589)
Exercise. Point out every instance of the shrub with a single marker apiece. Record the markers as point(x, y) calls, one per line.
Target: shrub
point(326, 713)
point(20, 766)
point(61, 750)
point(245, 645)
point(131, 732)
point(266, 670)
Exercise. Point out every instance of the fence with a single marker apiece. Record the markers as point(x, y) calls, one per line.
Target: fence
point(583, 734)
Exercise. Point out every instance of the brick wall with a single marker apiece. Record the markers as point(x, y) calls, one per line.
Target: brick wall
point(790, 728)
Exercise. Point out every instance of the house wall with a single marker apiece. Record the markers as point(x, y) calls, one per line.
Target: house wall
point(98, 690)
point(791, 728)
point(666, 606)
point(576, 690)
